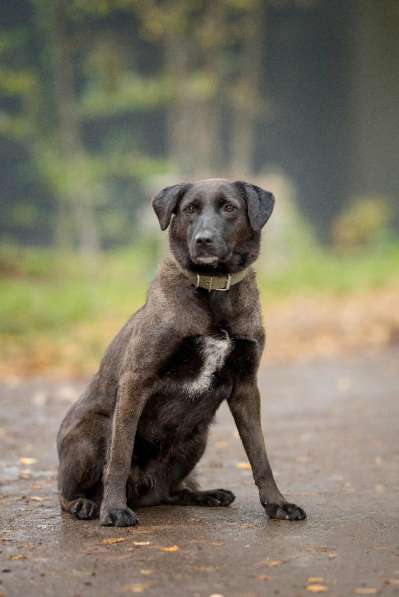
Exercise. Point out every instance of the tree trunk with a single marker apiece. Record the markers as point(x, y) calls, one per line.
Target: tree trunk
point(69, 135)
point(246, 99)
point(194, 117)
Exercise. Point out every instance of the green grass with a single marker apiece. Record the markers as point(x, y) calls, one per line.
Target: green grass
point(320, 271)
point(43, 292)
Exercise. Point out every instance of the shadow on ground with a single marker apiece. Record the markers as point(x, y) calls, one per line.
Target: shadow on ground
point(332, 432)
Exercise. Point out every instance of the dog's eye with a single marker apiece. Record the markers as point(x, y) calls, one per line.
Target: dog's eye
point(229, 207)
point(190, 209)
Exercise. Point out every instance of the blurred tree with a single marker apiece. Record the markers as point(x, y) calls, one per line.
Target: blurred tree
point(100, 99)
point(247, 102)
point(65, 104)
point(76, 187)
point(213, 59)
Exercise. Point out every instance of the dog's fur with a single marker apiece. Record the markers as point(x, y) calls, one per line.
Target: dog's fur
point(139, 429)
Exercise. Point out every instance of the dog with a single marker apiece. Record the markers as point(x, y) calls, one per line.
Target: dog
point(139, 429)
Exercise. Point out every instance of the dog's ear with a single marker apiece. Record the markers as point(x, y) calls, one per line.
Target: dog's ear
point(165, 202)
point(259, 202)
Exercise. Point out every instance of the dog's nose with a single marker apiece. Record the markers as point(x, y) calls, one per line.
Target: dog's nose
point(204, 238)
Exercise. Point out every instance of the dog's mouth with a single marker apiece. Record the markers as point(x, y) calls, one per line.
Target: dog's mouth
point(206, 259)
point(210, 258)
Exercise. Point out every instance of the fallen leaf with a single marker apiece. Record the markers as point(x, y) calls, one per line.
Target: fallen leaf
point(365, 591)
point(17, 556)
point(315, 579)
point(146, 572)
point(322, 548)
point(113, 540)
point(36, 498)
point(247, 525)
point(243, 466)
point(273, 563)
point(170, 549)
point(25, 474)
point(392, 581)
point(216, 595)
point(317, 588)
point(141, 542)
point(134, 588)
point(26, 460)
point(221, 444)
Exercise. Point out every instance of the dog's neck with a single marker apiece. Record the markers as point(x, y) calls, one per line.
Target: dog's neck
point(212, 282)
point(223, 308)
point(215, 283)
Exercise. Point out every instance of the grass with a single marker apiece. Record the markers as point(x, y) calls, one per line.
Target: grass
point(49, 301)
point(319, 271)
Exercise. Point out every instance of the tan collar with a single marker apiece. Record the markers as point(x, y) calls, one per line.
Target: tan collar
point(221, 283)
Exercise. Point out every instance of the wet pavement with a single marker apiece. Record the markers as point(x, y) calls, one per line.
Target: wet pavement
point(332, 429)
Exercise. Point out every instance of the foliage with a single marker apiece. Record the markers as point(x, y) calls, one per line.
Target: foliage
point(56, 315)
point(364, 220)
point(93, 95)
point(43, 291)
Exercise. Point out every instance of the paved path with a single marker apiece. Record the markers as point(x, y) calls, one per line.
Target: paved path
point(333, 434)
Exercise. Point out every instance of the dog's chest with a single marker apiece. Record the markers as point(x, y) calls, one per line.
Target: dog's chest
point(214, 351)
point(197, 360)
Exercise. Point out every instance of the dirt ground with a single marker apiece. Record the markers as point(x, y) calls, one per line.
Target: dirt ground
point(332, 432)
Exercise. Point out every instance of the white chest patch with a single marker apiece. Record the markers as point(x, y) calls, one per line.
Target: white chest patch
point(215, 350)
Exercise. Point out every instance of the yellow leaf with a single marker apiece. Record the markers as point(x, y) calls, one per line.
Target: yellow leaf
point(17, 556)
point(170, 549)
point(141, 542)
point(134, 588)
point(317, 588)
point(243, 466)
point(315, 579)
point(113, 540)
point(26, 460)
point(273, 563)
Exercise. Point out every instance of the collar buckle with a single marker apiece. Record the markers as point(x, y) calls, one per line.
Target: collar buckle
point(210, 284)
point(227, 286)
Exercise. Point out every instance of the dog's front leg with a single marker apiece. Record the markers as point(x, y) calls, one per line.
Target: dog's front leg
point(129, 405)
point(245, 407)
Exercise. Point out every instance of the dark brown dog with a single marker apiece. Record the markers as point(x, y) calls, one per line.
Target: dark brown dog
point(141, 426)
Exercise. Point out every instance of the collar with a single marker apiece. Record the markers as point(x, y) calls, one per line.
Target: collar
point(222, 283)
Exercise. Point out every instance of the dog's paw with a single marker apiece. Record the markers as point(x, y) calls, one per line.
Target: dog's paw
point(84, 509)
point(216, 497)
point(284, 511)
point(118, 517)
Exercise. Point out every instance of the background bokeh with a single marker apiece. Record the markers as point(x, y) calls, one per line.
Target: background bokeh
point(103, 102)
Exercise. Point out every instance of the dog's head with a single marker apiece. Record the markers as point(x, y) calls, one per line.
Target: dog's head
point(216, 223)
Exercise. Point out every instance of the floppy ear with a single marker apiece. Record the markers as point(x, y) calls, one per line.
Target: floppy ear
point(260, 203)
point(165, 202)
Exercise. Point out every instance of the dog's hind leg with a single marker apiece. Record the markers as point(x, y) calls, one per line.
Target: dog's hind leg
point(188, 493)
point(79, 480)
point(210, 497)
point(183, 488)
